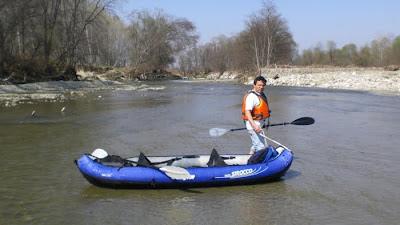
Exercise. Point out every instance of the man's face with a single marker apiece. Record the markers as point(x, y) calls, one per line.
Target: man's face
point(259, 86)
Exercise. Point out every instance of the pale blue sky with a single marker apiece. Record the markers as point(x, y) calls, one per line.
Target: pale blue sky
point(310, 21)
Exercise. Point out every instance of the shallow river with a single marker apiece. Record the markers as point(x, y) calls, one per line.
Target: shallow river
point(346, 167)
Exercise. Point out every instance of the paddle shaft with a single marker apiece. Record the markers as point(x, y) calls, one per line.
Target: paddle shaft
point(277, 124)
point(299, 121)
point(269, 125)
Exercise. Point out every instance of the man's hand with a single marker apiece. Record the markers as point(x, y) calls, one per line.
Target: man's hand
point(257, 128)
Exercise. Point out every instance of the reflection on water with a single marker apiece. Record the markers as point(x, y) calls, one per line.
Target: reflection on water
point(344, 170)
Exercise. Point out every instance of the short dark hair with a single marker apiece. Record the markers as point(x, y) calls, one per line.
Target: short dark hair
point(260, 78)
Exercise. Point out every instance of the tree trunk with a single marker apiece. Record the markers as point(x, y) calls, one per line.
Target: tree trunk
point(256, 54)
point(89, 47)
point(50, 16)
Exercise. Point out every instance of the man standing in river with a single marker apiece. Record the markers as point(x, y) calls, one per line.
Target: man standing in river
point(255, 111)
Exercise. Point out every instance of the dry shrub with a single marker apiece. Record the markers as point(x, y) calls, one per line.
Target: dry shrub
point(26, 70)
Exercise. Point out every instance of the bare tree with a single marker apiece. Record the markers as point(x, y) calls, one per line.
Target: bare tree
point(265, 40)
point(319, 55)
point(380, 49)
point(396, 51)
point(156, 38)
point(331, 45)
point(49, 10)
point(79, 14)
point(365, 57)
point(271, 40)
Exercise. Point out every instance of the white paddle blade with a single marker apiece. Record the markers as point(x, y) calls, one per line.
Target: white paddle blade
point(99, 153)
point(216, 132)
point(177, 173)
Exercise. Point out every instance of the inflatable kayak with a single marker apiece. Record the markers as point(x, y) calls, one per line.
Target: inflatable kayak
point(184, 171)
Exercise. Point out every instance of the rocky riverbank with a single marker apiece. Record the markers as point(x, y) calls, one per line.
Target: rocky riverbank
point(87, 82)
point(375, 80)
point(59, 91)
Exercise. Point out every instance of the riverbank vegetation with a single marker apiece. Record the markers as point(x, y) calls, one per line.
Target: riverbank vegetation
point(43, 40)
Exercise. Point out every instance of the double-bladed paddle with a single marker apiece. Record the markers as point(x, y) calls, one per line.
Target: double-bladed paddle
point(216, 132)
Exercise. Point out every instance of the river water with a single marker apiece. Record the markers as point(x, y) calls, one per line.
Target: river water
point(346, 167)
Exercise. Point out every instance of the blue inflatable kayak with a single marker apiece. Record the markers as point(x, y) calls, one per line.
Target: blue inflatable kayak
point(184, 171)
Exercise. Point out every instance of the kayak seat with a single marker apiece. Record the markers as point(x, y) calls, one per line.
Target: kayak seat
point(114, 160)
point(262, 156)
point(215, 159)
point(143, 161)
point(258, 157)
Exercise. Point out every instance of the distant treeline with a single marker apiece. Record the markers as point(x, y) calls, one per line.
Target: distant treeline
point(266, 40)
point(384, 51)
point(49, 39)
point(236, 54)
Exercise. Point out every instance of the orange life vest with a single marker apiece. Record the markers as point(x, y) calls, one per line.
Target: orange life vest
point(260, 111)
